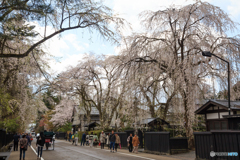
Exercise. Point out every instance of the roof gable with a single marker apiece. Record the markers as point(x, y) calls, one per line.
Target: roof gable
point(235, 105)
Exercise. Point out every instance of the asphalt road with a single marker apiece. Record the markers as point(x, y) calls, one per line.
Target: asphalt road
point(64, 150)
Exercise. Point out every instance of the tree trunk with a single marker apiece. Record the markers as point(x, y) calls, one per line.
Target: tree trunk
point(152, 112)
point(188, 125)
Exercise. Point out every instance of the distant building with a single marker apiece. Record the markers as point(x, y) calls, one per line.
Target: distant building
point(80, 119)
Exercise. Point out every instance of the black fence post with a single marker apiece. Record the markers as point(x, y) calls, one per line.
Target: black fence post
point(1, 138)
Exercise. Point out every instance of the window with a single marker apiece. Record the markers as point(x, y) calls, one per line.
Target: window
point(217, 126)
point(224, 125)
point(211, 125)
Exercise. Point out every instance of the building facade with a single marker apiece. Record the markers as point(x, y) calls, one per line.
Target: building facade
point(217, 115)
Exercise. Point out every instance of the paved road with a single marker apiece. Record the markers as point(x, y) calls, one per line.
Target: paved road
point(66, 151)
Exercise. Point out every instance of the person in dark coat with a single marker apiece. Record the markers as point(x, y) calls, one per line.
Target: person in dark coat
point(130, 144)
point(112, 139)
point(16, 138)
point(40, 143)
point(66, 135)
point(29, 140)
point(70, 136)
point(83, 139)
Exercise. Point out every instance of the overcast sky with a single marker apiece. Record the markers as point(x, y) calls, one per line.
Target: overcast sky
point(71, 46)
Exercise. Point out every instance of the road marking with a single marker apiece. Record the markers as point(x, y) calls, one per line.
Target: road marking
point(36, 152)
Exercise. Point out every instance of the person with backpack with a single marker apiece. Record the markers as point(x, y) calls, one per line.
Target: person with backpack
point(23, 146)
point(72, 138)
point(40, 143)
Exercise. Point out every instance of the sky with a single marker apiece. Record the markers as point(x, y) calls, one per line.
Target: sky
point(71, 46)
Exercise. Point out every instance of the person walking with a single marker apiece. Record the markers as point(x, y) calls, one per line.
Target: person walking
point(91, 139)
point(40, 143)
point(16, 140)
point(135, 143)
point(76, 138)
point(70, 136)
point(130, 145)
point(66, 136)
point(72, 139)
point(23, 146)
point(83, 139)
point(102, 139)
point(28, 138)
point(87, 139)
point(107, 141)
point(31, 139)
point(95, 139)
point(118, 141)
point(112, 139)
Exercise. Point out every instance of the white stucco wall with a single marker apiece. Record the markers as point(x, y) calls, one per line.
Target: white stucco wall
point(223, 113)
point(212, 115)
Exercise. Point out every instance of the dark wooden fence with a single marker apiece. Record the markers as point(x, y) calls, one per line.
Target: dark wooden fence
point(157, 142)
point(217, 141)
point(161, 142)
point(5, 138)
point(123, 138)
point(60, 135)
point(178, 143)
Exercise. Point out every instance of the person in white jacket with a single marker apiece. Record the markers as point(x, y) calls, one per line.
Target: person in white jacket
point(107, 139)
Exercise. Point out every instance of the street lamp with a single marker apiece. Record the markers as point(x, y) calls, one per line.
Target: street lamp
point(209, 54)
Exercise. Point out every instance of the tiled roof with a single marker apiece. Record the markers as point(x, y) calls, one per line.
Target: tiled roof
point(233, 104)
point(82, 111)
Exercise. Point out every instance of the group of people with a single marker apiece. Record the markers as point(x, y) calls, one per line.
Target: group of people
point(17, 137)
point(133, 143)
point(24, 140)
point(111, 140)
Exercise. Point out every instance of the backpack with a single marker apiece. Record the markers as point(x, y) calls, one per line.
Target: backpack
point(72, 136)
